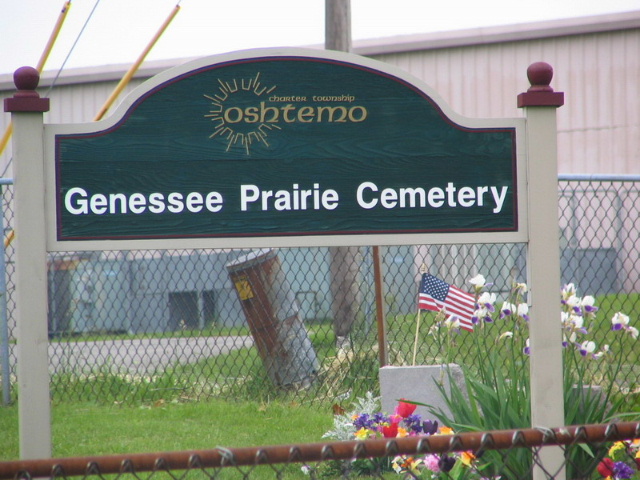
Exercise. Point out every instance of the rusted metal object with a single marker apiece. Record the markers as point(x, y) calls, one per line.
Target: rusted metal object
point(273, 316)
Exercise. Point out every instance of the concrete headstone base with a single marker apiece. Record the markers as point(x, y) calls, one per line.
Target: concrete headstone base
point(417, 383)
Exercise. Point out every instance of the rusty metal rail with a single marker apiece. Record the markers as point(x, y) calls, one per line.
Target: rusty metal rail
point(317, 452)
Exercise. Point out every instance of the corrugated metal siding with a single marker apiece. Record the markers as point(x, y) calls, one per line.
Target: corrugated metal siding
point(598, 128)
point(81, 103)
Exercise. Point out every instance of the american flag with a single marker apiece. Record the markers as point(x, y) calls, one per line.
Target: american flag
point(436, 294)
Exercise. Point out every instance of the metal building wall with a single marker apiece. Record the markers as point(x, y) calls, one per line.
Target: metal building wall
point(599, 125)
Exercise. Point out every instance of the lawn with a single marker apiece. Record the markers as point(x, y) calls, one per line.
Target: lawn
point(180, 408)
point(81, 429)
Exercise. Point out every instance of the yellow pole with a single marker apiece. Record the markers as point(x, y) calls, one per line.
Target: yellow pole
point(40, 66)
point(9, 238)
point(5, 138)
point(54, 36)
point(134, 68)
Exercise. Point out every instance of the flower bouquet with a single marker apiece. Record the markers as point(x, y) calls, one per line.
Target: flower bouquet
point(366, 422)
point(622, 461)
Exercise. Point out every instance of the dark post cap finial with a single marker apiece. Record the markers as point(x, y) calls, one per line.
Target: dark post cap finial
point(540, 75)
point(26, 80)
point(540, 93)
point(26, 99)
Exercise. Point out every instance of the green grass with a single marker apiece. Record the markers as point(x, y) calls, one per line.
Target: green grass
point(619, 302)
point(81, 429)
point(239, 374)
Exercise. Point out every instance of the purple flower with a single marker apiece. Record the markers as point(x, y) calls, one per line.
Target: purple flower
point(622, 470)
point(380, 418)
point(363, 421)
point(429, 427)
point(413, 423)
point(507, 309)
point(619, 321)
point(587, 348)
point(446, 463)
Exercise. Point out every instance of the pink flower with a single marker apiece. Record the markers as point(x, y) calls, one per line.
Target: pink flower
point(431, 462)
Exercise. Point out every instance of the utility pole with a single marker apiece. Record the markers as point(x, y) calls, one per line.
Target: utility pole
point(338, 25)
point(344, 263)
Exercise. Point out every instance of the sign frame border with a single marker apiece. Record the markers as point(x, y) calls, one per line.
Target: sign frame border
point(520, 235)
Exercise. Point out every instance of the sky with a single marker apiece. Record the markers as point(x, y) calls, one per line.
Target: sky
point(102, 32)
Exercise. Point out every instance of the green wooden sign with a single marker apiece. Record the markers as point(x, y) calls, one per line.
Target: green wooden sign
point(284, 145)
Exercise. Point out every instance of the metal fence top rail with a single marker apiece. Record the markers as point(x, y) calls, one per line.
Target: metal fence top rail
point(599, 177)
point(316, 452)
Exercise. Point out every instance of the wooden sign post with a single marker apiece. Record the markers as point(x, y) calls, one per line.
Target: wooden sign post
point(547, 401)
point(27, 109)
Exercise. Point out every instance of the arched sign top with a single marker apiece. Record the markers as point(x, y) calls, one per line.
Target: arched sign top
point(276, 144)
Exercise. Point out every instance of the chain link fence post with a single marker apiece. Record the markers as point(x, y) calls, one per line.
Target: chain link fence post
point(5, 376)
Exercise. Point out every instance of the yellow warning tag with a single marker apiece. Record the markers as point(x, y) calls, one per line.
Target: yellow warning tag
point(244, 288)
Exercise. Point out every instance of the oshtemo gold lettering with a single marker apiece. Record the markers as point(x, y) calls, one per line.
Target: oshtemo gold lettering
point(290, 113)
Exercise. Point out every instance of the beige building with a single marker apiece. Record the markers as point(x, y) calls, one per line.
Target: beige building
point(478, 72)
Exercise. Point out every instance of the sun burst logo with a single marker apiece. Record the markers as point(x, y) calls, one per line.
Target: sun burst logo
point(240, 113)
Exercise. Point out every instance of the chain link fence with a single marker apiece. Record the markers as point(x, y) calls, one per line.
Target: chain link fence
point(512, 454)
point(301, 323)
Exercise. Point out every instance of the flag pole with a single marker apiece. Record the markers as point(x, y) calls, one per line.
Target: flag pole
point(380, 314)
point(134, 68)
point(40, 66)
point(423, 270)
point(415, 341)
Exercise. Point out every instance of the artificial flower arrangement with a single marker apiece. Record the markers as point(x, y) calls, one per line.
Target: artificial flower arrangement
point(366, 422)
point(622, 461)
